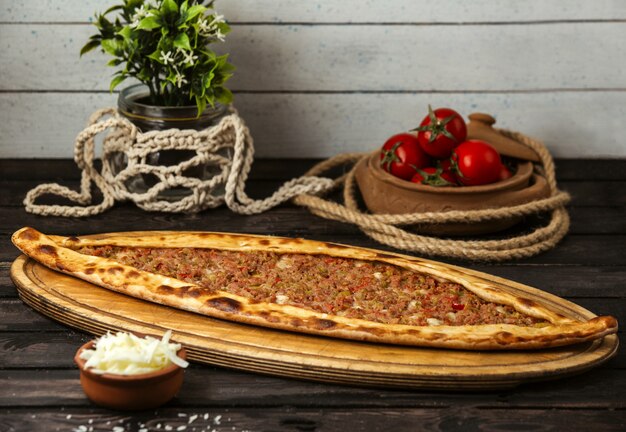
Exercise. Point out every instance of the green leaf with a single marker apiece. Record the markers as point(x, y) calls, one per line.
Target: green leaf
point(224, 66)
point(224, 28)
point(171, 77)
point(182, 16)
point(115, 62)
point(207, 79)
point(156, 56)
point(89, 46)
point(184, 7)
point(198, 87)
point(194, 11)
point(112, 9)
point(111, 46)
point(116, 81)
point(182, 41)
point(223, 95)
point(149, 23)
point(209, 56)
point(102, 23)
point(126, 33)
point(169, 7)
point(144, 75)
point(165, 43)
point(132, 5)
point(201, 103)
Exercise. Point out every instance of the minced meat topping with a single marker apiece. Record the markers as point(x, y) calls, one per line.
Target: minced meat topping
point(372, 291)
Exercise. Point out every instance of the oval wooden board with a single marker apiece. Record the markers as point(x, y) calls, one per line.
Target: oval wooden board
point(212, 341)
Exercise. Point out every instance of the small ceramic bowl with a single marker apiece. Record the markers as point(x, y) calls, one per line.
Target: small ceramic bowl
point(384, 193)
point(130, 392)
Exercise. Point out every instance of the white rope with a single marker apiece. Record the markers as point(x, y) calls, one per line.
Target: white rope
point(226, 148)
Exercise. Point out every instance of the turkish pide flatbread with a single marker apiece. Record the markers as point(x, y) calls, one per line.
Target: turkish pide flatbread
point(313, 287)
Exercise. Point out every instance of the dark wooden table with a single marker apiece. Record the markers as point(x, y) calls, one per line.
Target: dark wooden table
point(40, 391)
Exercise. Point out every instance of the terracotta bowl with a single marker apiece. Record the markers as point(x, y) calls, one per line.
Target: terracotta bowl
point(386, 194)
point(130, 392)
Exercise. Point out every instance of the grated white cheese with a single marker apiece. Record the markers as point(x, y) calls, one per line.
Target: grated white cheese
point(378, 275)
point(126, 354)
point(284, 263)
point(281, 299)
point(433, 321)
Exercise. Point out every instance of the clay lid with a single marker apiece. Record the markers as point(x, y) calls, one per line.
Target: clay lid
point(480, 127)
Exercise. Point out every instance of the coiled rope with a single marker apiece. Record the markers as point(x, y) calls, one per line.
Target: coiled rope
point(227, 186)
point(211, 147)
point(386, 228)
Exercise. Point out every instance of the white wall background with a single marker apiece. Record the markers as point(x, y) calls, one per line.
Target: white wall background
point(319, 77)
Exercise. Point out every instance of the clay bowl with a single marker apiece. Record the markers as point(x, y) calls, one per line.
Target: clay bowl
point(130, 392)
point(386, 194)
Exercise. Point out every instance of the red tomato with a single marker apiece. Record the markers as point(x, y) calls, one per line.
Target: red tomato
point(445, 164)
point(441, 131)
point(457, 306)
point(505, 173)
point(448, 169)
point(401, 155)
point(477, 163)
point(434, 177)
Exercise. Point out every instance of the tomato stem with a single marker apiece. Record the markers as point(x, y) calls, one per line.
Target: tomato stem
point(434, 179)
point(436, 127)
point(390, 156)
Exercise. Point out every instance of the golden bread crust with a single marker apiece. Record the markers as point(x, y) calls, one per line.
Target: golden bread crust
point(58, 253)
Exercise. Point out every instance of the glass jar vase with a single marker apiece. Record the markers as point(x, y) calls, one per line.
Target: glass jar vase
point(134, 105)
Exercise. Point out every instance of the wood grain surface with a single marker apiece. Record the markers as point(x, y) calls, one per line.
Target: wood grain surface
point(319, 125)
point(297, 57)
point(347, 11)
point(344, 75)
point(40, 390)
point(212, 341)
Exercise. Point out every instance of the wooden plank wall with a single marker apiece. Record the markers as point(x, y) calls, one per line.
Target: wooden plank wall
point(316, 78)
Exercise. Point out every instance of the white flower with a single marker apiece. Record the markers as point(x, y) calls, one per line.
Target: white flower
point(140, 13)
point(217, 19)
point(166, 57)
point(219, 35)
point(211, 28)
point(188, 57)
point(204, 27)
point(180, 79)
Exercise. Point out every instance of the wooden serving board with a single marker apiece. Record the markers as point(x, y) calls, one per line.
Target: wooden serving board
point(87, 307)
